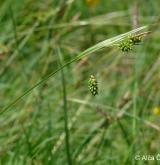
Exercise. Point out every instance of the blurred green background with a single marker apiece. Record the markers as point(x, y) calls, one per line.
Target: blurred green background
point(108, 129)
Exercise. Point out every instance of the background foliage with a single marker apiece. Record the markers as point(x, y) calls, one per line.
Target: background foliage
point(110, 128)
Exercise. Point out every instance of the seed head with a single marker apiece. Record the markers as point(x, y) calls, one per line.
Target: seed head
point(126, 46)
point(135, 39)
point(93, 85)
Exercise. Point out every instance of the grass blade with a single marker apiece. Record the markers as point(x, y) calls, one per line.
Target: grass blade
point(105, 43)
point(65, 112)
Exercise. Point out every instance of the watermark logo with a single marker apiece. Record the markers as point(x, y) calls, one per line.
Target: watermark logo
point(147, 157)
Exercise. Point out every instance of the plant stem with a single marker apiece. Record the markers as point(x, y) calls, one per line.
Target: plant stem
point(65, 112)
point(135, 15)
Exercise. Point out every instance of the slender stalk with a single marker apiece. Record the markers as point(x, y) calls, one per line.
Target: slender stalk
point(135, 15)
point(134, 122)
point(65, 112)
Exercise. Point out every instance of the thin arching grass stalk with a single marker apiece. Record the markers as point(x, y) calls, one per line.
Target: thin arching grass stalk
point(65, 111)
point(105, 43)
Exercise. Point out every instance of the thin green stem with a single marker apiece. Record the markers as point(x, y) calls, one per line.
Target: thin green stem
point(134, 123)
point(65, 112)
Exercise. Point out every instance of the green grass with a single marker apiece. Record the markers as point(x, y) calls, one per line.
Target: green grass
point(48, 115)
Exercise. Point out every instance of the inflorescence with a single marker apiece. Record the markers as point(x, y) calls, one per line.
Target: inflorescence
point(93, 85)
point(127, 44)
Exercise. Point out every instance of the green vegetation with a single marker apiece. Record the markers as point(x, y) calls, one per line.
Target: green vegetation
point(48, 52)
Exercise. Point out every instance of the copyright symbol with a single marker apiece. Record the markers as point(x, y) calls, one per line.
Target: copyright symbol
point(137, 157)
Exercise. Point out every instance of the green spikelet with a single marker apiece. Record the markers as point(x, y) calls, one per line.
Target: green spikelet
point(126, 45)
point(135, 39)
point(93, 85)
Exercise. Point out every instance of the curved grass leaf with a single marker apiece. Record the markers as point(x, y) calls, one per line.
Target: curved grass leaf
point(105, 43)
